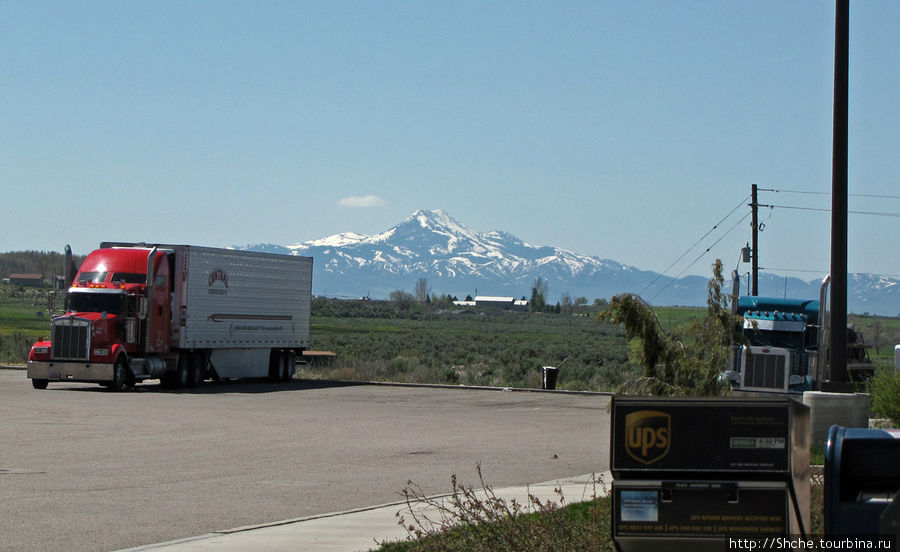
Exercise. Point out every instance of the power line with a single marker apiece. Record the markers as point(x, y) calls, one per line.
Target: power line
point(827, 193)
point(792, 270)
point(703, 237)
point(824, 271)
point(708, 249)
point(824, 210)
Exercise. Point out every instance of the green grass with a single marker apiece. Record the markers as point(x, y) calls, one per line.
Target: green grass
point(23, 320)
point(880, 333)
point(673, 317)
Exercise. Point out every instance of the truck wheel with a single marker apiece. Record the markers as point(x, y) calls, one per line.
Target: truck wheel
point(39, 383)
point(120, 376)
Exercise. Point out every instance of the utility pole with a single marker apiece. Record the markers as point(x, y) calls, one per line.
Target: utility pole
point(754, 251)
point(838, 339)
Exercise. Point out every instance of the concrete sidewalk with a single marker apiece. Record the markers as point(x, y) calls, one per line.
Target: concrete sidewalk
point(361, 530)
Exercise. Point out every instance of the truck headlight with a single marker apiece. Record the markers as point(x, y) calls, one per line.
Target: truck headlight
point(101, 352)
point(41, 350)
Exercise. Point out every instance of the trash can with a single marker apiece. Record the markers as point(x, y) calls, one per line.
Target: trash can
point(862, 479)
point(549, 379)
point(689, 474)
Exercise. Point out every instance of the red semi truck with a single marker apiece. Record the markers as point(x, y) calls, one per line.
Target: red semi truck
point(177, 313)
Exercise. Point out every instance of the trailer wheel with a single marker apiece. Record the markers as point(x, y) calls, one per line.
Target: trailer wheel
point(182, 372)
point(287, 366)
point(276, 365)
point(197, 369)
point(39, 383)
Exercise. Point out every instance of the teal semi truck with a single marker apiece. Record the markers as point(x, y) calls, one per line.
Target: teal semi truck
point(786, 345)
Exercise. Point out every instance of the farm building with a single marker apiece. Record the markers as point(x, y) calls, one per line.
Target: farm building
point(509, 303)
point(30, 280)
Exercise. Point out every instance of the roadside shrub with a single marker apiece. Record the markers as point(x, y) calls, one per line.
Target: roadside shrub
point(884, 389)
point(14, 348)
point(475, 519)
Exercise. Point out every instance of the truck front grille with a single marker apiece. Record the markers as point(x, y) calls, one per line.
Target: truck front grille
point(765, 371)
point(71, 339)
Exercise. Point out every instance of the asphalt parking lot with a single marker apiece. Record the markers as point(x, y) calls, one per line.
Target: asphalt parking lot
point(82, 468)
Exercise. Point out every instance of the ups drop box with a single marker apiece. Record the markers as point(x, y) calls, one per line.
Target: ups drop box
point(755, 438)
point(692, 473)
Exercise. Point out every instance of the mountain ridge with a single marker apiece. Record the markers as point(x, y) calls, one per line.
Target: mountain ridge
point(459, 261)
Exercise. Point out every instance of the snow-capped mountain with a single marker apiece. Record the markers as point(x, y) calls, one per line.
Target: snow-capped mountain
point(459, 261)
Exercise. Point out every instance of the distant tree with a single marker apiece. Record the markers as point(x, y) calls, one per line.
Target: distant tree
point(402, 299)
point(469, 298)
point(877, 331)
point(539, 291)
point(442, 301)
point(422, 291)
point(601, 303)
point(567, 306)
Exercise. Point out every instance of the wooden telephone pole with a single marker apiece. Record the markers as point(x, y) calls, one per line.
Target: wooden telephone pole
point(838, 340)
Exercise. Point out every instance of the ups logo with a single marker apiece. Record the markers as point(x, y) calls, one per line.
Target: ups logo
point(647, 434)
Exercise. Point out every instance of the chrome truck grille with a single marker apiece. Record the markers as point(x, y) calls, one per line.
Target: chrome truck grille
point(765, 371)
point(71, 339)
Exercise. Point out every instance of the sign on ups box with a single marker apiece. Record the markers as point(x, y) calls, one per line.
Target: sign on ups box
point(697, 515)
point(755, 438)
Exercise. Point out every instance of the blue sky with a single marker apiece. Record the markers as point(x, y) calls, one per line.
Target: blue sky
point(624, 130)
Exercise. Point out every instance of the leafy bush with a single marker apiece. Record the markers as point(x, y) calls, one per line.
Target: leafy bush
point(884, 388)
point(687, 361)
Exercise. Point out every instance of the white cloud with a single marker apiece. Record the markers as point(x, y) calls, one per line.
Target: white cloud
point(362, 201)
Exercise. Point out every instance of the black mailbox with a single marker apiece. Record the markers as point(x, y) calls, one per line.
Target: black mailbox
point(691, 473)
point(862, 478)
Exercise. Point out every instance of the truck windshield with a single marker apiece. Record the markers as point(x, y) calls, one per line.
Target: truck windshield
point(129, 277)
point(787, 340)
point(111, 303)
point(91, 277)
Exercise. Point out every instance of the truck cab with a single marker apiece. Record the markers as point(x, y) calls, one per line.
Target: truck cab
point(786, 346)
point(782, 348)
point(118, 306)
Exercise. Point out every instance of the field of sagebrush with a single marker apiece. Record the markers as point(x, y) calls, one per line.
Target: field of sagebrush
point(430, 344)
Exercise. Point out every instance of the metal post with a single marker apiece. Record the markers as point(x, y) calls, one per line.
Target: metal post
point(839, 194)
point(754, 208)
